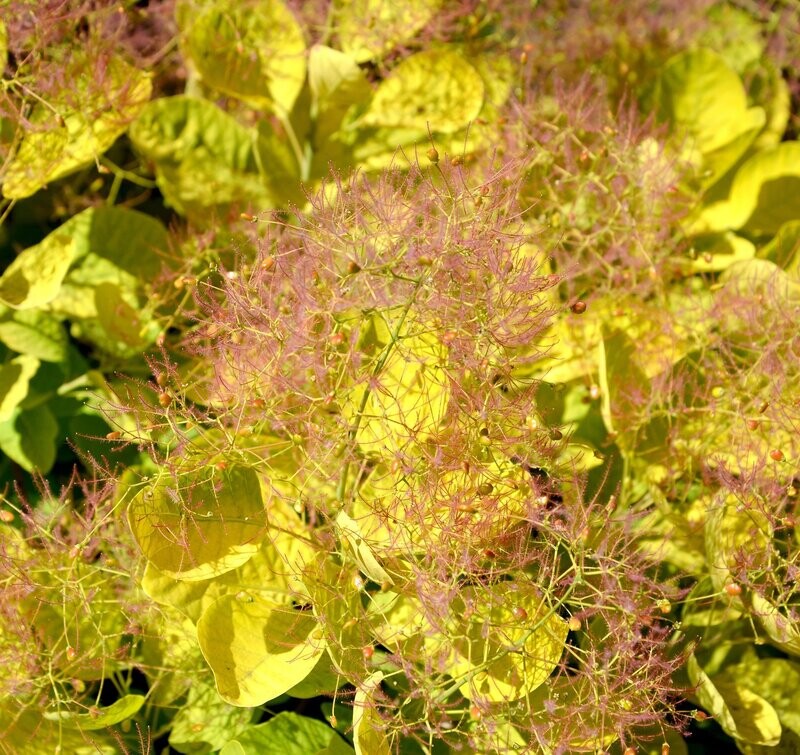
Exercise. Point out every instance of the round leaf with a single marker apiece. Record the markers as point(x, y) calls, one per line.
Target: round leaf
point(200, 525)
point(89, 123)
point(369, 28)
point(251, 49)
point(257, 649)
point(436, 88)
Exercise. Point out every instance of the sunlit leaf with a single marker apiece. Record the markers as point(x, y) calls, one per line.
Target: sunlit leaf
point(15, 378)
point(368, 735)
point(763, 194)
point(506, 641)
point(783, 631)
point(702, 97)
point(87, 124)
point(406, 397)
point(364, 556)
point(719, 252)
point(368, 28)
point(742, 713)
point(272, 572)
point(253, 50)
point(436, 89)
point(3, 46)
point(199, 525)
point(100, 718)
point(736, 533)
point(777, 680)
point(257, 649)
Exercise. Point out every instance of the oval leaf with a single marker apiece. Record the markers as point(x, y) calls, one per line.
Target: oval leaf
point(200, 525)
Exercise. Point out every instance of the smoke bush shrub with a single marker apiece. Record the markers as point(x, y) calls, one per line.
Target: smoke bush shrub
point(470, 419)
point(359, 363)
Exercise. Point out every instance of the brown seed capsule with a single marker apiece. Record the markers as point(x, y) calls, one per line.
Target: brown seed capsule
point(433, 155)
point(164, 399)
point(776, 454)
point(665, 749)
point(336, 339)
point(485, 488)
point(114, 435)
point(752, 424)
point(457, 160)
point(519, 613)
point(630, 751)
point(733, 590)
point(368, 651)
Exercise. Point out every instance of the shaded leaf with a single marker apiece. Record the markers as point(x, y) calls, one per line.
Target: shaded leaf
point(29, 438)
point(130, 244)
point(34, 333)
point(205, 723)
point(285, 734)
point(336, 84)
point(15, 378)
point(205, 159)
point(368, 735)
